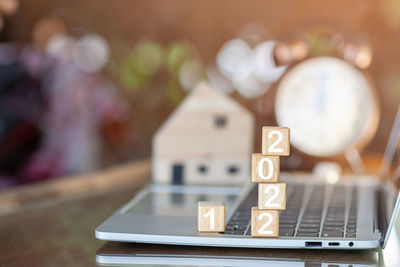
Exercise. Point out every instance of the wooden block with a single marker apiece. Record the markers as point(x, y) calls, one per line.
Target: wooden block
point(264, 223)
point(264, 169)
point(272, 196)
point(275, 141)
point(211, 216)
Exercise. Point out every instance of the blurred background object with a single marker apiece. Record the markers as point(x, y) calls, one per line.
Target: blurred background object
point(207, 140)
point(85, 85)
point(22, 105)
point(7, 8)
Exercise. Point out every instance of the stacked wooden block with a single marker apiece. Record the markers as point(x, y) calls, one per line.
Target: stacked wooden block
point(210, 216)
point(271, 193)
point(265, 171)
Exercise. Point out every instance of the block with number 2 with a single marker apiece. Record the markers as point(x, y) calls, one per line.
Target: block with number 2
point(272, 196)
point(264, 223)
point(211, 216)
point(275, 141)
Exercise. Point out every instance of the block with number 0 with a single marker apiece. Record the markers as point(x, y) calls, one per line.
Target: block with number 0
point(264, 223)
point(272, 196)
point(275, 141)
point(211, 216)
point(264, 169)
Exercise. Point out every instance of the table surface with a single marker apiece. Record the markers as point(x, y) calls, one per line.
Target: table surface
point(57, 229)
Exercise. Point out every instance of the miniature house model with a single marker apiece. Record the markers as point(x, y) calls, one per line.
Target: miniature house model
point(207, 140)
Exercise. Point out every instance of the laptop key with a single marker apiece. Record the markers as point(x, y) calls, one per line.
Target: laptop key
point(236, 227)
point(286, 232)
point(309, 225)
point(240, 218)
point(334, 224)
point(332, 228)
point(332, 234)
point(288, 221)
point(307, 234)
point(351, 235)
point(334, 219)
point(311, 220)
point(308, 230)
point(288, 226)
point(290, 214)
point(351, 231)
point(313, 216)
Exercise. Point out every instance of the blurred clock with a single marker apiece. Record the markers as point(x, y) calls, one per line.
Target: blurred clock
point(329, 105)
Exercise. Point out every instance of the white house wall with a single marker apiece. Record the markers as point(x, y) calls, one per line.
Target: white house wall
point(216, 174)
point(204, 139)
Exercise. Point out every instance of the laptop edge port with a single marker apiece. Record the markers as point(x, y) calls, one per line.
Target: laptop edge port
point(334, 244)
point(313, 244)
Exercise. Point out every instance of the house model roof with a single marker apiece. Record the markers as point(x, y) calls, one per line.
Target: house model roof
point(192, 130)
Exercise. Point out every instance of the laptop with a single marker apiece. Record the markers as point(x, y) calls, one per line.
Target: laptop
point(358, 212)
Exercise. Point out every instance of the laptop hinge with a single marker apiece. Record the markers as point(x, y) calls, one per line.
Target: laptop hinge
point(381, 213)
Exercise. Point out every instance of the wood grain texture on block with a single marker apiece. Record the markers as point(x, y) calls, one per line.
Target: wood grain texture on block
point(272, 196)
point(264, 169)
point(211, 216)
point(276, 141)
point(264, 223)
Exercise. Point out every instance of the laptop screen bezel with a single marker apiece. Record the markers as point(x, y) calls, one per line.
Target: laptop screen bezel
point(392, 147)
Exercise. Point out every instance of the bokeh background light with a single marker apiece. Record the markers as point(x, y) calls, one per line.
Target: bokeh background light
point(146, 56)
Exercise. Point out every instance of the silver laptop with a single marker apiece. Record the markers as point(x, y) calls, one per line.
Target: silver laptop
point(356, 213)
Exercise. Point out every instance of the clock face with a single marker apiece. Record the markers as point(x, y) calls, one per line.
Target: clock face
point(328, 104)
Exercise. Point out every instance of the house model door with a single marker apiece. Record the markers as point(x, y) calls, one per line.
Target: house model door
point(177, 174)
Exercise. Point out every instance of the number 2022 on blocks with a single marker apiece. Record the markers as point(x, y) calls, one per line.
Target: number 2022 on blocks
point(265, 171)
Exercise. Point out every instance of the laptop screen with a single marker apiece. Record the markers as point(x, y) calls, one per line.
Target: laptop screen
point(390, 175)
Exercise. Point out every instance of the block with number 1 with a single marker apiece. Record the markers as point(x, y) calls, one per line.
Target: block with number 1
point(211, 216)
point(275, 141)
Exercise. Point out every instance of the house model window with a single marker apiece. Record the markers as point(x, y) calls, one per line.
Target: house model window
point(233, 169)
point(220, 121)
point(203, 169)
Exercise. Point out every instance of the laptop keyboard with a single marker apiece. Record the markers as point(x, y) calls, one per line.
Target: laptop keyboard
point(317, 213)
